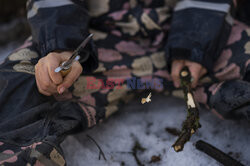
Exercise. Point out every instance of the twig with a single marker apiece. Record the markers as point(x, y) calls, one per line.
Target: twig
point(216, 154)
point(100, 150)
point(191, 124)
point(173, 131)
point(137, 147)
point(123, 152)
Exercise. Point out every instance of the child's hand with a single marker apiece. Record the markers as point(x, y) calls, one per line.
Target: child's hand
point(48, 81)
point(196, 70)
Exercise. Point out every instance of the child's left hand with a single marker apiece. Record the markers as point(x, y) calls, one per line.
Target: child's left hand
point(196, 70)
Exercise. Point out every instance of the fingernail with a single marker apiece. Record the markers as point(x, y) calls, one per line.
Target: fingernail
point(61, 90)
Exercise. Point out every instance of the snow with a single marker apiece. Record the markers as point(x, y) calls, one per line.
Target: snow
point(146, 123)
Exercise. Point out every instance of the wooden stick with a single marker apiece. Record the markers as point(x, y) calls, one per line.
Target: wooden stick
point(216, 154)
point(191, 124)
point(137, 147)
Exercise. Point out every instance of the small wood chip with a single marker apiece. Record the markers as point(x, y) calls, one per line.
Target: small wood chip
point(146, 100)
point(155, 159)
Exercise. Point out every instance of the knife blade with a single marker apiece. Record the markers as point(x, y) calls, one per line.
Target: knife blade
point(65, 67)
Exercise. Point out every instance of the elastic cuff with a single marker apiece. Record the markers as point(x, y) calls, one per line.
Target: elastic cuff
point(194, 55)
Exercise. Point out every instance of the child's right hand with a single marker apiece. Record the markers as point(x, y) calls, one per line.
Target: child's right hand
point(48, 81)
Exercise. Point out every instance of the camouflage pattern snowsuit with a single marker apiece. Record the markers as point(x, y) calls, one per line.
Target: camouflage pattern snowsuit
point(133, 39)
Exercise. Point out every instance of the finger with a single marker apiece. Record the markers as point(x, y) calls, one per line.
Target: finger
point(203, 72)
point(75, 72)
point(45, 82)
point(42, 91)
point(53, 63)
point(39, 87)
point(177, 65)
point(195, 69)
point(37, 66)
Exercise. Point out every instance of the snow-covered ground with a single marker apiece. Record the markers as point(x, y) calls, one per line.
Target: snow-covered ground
point(146, 124)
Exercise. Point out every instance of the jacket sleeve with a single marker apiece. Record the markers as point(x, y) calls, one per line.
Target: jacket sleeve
point(60, 25)
point(199, 30)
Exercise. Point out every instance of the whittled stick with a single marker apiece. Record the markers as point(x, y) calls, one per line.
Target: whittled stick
point(191, 124)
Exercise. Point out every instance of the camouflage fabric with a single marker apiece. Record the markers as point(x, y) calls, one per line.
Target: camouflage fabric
point(33, 125)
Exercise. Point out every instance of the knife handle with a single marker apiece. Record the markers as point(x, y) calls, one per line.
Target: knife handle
point(65, 72)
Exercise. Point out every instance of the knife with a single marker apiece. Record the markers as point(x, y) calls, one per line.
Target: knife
point(65, 67)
